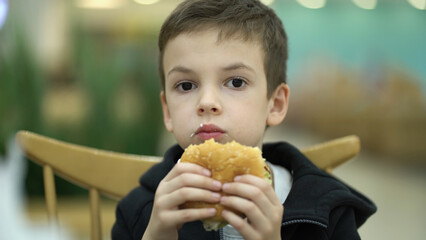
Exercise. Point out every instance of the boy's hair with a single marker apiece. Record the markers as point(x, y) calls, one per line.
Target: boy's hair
point(249, 20)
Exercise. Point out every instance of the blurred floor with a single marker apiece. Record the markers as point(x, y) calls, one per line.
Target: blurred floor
point(398, 191)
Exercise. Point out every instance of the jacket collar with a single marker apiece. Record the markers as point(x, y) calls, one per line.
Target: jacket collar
point(314, 193)
point(156, 173)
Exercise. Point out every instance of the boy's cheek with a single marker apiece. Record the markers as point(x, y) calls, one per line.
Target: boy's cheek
point(166, 113)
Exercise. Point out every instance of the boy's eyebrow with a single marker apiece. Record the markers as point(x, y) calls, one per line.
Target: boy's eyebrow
point(236, 66)
point(180, 69)
point(231, 67)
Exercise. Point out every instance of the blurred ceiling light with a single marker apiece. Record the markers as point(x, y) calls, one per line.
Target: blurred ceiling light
point(3, 11)
point(99, 4)
point(366, 4)
point(146, 2)
point(267, 2)
point(314, 4)
point(419, 4)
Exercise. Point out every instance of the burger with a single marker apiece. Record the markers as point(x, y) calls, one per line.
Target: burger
point(225, 161)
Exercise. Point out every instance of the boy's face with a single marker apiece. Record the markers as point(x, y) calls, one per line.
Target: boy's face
point(218, 90)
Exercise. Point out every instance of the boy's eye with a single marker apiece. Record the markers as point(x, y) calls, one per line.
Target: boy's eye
point(236, 82)
point(185, 86)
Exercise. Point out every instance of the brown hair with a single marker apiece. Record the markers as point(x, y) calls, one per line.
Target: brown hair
point(248, 19)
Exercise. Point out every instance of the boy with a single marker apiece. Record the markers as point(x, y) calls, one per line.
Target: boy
point(223, 71)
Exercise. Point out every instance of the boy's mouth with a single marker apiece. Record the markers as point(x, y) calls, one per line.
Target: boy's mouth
point(208, 131)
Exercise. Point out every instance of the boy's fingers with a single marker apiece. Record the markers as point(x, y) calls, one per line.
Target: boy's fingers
point(176, 198)
point(261, 184)
point(194, 180)
point(249, 192)
point(193, 214)
point(257, 222)
point(241, 225)
point(181, 216)
point(259, 193)
point(248, 208)
point(180, 168)
point(189, 180)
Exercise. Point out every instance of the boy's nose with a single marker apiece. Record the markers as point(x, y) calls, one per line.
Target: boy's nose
point(209, 104)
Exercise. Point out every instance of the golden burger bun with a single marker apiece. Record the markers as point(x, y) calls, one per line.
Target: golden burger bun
point(225, 161)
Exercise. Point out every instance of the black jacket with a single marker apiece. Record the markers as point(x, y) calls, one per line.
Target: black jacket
point(318, 206)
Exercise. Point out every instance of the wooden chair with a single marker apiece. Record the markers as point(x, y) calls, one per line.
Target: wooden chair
point(115, 174)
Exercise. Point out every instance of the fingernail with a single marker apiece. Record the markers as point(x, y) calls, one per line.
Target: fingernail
point(212, 210)
point(216, 195)
point(237, 178)
point(223, 199)
point(206, 172)
point(217, 183)
point(226, 186)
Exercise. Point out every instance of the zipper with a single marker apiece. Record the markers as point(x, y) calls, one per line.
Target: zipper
point(304, 221)
point(221, 234)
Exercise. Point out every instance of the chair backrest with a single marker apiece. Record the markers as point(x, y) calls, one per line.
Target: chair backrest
point(115, 174)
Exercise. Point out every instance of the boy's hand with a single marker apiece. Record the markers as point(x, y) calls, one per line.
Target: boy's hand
point(256, 199)
point(185, 182)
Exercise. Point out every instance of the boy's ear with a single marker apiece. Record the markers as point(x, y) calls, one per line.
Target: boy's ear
point(278, 105)
point(166, 113)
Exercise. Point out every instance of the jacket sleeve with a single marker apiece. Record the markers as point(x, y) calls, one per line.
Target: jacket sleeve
point(132, 215)
point(342, 225)
point(120, 230)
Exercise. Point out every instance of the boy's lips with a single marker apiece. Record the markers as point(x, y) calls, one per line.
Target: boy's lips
point(208, 131)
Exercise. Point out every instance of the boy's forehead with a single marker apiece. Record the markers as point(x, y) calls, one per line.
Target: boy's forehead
point(222, 35)
point(205, 38)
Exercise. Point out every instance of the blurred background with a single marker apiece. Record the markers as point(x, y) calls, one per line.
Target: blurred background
point(85, 71)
